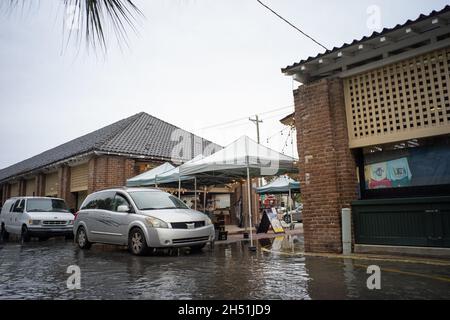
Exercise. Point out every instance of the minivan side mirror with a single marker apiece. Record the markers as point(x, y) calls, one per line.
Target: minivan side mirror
point(123, 209)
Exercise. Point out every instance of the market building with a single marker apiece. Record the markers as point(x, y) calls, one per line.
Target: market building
point(373, 128)
point(101, 159)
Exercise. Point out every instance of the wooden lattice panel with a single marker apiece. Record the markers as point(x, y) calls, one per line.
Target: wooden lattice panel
point(401, 101)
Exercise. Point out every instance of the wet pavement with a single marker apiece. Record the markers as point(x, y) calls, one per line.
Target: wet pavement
point(229, 271)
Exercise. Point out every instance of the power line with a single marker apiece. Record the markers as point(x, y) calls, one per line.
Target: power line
point(292, 25)
point(275, 116)
point(246, 118)
point(277, 133)
point(275, 110)
point(224, 123)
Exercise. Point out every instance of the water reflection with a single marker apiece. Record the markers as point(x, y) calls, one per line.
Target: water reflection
point(38, 271)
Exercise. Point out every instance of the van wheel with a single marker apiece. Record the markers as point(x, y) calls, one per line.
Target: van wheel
point(137, 243)
point(25, 236)
point(4, 235)
point(82, 239)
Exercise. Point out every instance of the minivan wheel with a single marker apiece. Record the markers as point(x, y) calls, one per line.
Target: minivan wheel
point(82, 239)
point(137, 243)
point(25, 236)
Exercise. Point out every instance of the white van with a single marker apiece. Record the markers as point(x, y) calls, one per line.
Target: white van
point(30, 217)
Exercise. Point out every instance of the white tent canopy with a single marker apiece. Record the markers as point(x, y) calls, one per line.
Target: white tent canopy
point(242, 158)
point(234, 160)
point(148, 177)
point(163, 174)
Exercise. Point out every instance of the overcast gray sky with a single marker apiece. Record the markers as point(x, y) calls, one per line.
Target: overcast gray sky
point(195, 63)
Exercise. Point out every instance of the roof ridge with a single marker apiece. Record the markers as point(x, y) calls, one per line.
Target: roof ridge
point(175, 126)
point(131, 120)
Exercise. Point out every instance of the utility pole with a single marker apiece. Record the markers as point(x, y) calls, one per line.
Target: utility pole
point(257, 122)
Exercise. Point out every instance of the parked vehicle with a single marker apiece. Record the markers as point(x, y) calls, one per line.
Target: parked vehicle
point(296, 215)
point(140, 218)
point(30, 217)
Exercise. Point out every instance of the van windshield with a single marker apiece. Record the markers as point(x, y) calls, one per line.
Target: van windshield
point(151, 200)
point(46, 205)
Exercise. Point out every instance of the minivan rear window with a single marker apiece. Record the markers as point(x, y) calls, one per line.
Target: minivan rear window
point(46, 205)
point(151, 200)
point(99, 201)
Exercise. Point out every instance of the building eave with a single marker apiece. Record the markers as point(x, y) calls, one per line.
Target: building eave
point(412, 38)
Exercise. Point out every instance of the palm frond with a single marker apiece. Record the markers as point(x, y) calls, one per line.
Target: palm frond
point(93, 19)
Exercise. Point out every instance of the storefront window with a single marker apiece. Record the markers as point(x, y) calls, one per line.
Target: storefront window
point(414, 163)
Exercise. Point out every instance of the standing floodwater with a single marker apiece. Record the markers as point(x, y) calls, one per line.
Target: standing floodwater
point(276, 271)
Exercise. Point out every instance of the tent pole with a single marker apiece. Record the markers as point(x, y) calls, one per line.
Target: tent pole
point(204, 200)
point(249, 190)
point(179, 187)
point(290, 205)
point(195, 188)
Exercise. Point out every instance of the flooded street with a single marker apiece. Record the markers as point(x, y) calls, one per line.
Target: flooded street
point(229, 271)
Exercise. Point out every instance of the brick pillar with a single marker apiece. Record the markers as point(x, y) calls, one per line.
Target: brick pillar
point(130, 169)
point(106, 172)
point(254, 196)
point(91, 174)
point(22, 187)
point(6, 192)
point(40, 185)
point(327, 166)
point(64, 187)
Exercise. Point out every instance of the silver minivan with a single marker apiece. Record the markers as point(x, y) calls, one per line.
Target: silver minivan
point(142, 219)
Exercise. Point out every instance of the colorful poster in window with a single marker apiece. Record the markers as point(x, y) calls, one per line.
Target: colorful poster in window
point(398, 173)
point(389, 174)
point(377, 175)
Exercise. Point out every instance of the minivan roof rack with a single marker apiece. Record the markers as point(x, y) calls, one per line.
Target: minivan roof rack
point(125, 188)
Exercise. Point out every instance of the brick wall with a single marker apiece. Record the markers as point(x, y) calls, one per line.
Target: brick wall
point(64, 187)
point(40, 185)
point(109, 171)
point(327, 166)
point(241, 192)
point(6, 192)
point(104, 172)
point(22, 187)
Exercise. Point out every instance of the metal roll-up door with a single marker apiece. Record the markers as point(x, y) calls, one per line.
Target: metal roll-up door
point(79, 178)
point(15, 190)
point(51, 184)
point(30, 187)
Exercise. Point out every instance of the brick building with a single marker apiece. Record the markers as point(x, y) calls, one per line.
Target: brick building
point(373, 127)
point(101, 159)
